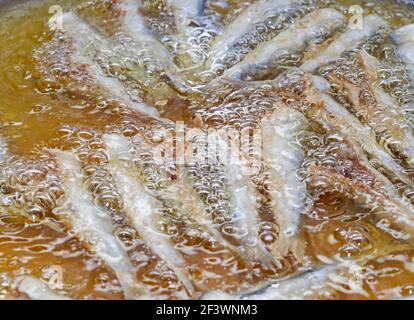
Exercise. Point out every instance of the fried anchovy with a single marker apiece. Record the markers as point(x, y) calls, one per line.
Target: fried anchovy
point(283, 155)
point(302, 286)
point(134, 26)
point(82, 36)
point(245, 24)
point(381, 192)
point(385, 204)
point(316, 25)
point(350, 39)
point(94, 226)
point(243, 207)
point(376, 107)
point(143, 214)
point(217, 265)
point(361, 135)
point(331, 115)
point(152, 271)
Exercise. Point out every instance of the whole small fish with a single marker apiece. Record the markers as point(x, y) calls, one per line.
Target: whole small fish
point(92, 225)
point(315, 25)
point(346, 41)
point(244, 24)
point(82, 36)
point(283, 156)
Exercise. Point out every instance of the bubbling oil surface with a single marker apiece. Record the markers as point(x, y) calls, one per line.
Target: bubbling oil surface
point(33, 114)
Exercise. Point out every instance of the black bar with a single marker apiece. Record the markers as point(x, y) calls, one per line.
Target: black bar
point(131, 310)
